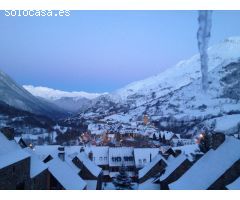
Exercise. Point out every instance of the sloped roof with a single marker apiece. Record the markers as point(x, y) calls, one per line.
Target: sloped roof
point(92, 167)
point(121, 152)
point(65, 175)
point(10, 152)
point(36, 166)
point(234, 185)
point(209, 167)
point(172, 164)
point(149, 166)
point(141, 154)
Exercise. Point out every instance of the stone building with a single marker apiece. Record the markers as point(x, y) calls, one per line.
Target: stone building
point(14, 165)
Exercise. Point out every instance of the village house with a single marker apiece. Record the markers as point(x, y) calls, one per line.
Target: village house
point(14, 165)
point(121, 156)
point(63, 177)
point(176, 167)
point(152, 169)
point(89, 171)
point(100, 156)
point(216, 169)
point(39, 173)
point(143, 156)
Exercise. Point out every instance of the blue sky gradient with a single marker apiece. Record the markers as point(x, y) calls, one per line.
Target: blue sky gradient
point(101, 51)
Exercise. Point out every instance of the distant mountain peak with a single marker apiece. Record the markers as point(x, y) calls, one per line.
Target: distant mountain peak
point(53, 94)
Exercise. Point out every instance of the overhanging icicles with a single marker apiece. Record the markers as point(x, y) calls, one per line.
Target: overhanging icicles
point(203, 36)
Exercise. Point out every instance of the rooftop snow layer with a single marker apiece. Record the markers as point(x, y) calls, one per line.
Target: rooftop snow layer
point(10, 152)
point(65, 175)
point(172, 164)
point(92, 167)
point(147, 168)
point(142, 156)
point(234, 185)
point(210, 167)
point(37, 166)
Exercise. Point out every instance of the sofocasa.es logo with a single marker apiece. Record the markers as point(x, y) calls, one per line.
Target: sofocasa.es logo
point(37, 13)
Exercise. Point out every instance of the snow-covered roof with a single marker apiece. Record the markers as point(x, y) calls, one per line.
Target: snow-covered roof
point(149, 166)
point(210, 167)
point(149, 185)
point(65, 175)
point(91, 184)
point(142, 155)
point(168, 135)
point(234, 185)
point(187, 149)
point(172, 164)
point(92, 167)
point(123, 153)
point(10, 152)
point(36, 166)
point(100, 154)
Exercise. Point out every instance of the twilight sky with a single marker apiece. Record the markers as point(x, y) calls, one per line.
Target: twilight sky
point(101, 51)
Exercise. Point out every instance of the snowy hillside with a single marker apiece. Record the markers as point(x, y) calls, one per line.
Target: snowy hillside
point(175, 98)
point(15, 95)
point(181, 74)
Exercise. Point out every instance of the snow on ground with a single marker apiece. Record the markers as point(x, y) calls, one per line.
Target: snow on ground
point(227, 123)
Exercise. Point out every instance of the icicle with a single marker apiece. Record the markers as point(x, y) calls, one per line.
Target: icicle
point(203, 36)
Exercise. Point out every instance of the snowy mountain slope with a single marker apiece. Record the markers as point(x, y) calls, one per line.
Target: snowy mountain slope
point(141, 92)
point(179, 75)
point(16, 96)
point(190, 108)
point(174, 98)
point(70, 101)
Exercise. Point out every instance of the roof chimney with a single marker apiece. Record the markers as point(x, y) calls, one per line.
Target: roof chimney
point(90, 155)
point(61, 153)
point(81, 149)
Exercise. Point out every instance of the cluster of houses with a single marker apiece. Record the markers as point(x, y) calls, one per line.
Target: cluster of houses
point(118, 133)
point(91, 167)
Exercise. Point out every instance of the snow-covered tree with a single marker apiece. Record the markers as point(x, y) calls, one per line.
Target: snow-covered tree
point(122, 181)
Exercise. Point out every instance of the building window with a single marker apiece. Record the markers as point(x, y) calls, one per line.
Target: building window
point(140, 162)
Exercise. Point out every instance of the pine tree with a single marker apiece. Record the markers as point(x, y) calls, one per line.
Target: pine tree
point(122, 181)
point(154, 136)
point(164, 139)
